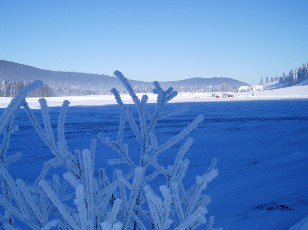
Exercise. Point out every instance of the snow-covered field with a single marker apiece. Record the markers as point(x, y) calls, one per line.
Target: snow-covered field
point(299, 91)
point(261, 147)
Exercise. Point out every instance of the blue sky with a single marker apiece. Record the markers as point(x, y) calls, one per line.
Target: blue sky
point(158, 40)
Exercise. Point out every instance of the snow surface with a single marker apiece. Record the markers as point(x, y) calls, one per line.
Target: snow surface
point(299, 91)
point(261, 146)
point(302, 225)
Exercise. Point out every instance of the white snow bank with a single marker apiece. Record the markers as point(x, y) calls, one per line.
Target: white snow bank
point(304, 82)
point(299, 91)
point(302, 225)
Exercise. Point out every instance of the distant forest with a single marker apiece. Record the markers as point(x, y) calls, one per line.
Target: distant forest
point(14, 76)
point(10, 88)
point(294, 77)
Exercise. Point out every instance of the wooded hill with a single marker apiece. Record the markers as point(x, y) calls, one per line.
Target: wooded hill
point(14, 76)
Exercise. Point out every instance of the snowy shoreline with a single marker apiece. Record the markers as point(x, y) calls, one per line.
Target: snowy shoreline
point(295, 92)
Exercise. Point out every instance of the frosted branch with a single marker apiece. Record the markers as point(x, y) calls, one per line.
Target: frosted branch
point(59, 205)
point(138, 177)
point(50, 225)
point(17, 102)
point(92, 200)
point(128, 87)
point(110, 222)
point(180, 136)
point(160, 210)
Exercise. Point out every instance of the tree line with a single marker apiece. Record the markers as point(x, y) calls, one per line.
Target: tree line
point(294, 77)
point(11, 88)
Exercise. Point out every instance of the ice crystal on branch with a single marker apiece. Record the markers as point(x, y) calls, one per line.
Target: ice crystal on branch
point(83, 198)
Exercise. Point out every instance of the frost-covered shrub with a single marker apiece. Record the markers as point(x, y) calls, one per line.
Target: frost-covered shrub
point(125, 200)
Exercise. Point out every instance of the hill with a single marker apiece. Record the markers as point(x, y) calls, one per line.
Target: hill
point(74, 83)
point(198, 84)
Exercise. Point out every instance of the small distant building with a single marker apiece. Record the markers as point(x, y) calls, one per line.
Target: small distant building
point(245, 88)
point(249, 88)
point(257, 88)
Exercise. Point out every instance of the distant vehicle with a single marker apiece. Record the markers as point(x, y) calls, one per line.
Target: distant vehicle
point(224, 95)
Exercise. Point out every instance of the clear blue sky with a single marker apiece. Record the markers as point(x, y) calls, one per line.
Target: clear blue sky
point(157, 40)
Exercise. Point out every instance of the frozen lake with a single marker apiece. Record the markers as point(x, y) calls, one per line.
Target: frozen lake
point(261, 147)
